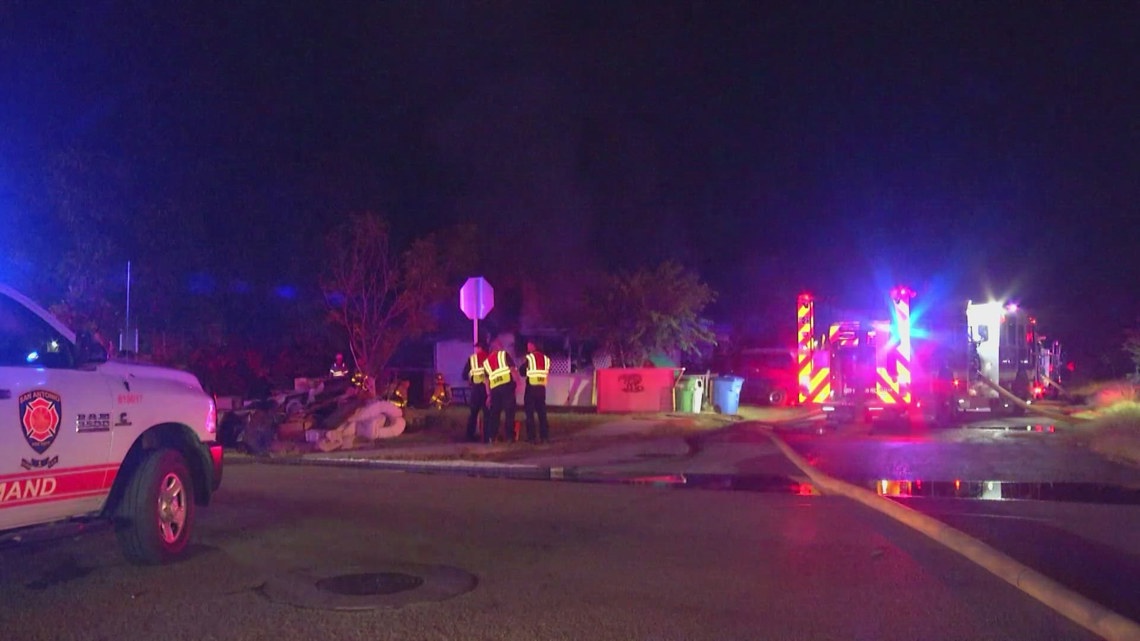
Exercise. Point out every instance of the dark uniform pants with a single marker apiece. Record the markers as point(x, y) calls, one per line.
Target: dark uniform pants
point(477, 402)
point(502, 401)
point(534, 402)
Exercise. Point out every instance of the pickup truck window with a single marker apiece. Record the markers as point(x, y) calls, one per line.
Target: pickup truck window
point(27, 341)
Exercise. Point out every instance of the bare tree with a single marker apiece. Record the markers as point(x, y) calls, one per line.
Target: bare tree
point(383, 297)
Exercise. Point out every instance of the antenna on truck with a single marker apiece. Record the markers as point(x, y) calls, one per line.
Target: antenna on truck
point(129, 338)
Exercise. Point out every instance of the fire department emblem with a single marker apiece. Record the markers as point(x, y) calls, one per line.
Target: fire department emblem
point(39, 414)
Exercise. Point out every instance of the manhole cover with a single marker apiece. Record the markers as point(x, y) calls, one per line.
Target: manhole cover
point(370, 583)
point(387, 584)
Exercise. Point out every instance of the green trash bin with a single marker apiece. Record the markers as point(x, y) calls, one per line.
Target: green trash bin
point(689, 393)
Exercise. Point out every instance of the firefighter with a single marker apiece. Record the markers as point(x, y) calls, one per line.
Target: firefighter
point(339, 369)
point(441, 393)
point(535, 370)
point(498, 368)
point(474, 374)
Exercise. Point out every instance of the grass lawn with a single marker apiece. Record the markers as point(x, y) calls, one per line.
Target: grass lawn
point(450, 423)
point(1114, 432)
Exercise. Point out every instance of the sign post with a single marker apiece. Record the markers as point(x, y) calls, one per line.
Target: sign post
point(476, 298)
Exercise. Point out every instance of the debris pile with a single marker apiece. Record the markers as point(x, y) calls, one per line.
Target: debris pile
point(326, 414)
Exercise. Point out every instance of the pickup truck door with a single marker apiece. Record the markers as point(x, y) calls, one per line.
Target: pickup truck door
point(55, 424)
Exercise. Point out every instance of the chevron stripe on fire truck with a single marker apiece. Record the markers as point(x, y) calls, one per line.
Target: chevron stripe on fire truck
point(804, 375)
point(805, 327)
point(819, 387)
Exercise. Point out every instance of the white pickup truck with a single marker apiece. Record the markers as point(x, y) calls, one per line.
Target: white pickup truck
point(83, 437)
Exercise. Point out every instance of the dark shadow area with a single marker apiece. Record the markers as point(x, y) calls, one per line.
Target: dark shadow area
point(68, 570)
point(724, 482)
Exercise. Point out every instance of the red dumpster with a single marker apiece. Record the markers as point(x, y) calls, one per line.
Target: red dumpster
point(641, 389)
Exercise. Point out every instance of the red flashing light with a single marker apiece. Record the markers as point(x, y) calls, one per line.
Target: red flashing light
point(902, 292)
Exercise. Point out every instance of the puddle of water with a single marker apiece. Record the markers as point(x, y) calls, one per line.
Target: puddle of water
point(1008, 490)
point(1044, 428)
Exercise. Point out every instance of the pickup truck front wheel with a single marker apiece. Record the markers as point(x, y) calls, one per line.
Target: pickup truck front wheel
point(156, 514)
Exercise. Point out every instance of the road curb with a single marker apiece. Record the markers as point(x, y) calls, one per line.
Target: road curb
point(487, 469)
point(1077, 608)
point(467, 468)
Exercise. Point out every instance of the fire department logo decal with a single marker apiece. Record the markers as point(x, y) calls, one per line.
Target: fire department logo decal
point(39, 414)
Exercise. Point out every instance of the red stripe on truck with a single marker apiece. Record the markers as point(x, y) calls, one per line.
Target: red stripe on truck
point(43, 486)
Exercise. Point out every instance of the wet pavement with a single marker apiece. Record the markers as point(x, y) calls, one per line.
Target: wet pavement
point(1057, 541)
point(1008, 490)
point(1021, 487)
point(974, 453)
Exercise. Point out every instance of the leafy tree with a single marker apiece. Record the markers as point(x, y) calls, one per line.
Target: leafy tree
point(382, 297)
point(635, 314)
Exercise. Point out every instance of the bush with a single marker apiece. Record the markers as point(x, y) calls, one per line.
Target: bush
point(1124, 415)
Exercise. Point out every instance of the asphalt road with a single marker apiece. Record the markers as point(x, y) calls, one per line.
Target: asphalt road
point(996, 450)
point(1036, 496)
point(553, 560)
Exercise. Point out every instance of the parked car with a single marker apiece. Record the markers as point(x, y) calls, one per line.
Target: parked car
point(769, 375)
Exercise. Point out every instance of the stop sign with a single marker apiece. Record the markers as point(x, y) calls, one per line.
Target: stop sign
point(476, 298)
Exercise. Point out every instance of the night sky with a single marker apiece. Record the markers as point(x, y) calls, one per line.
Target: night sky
point(964, 148)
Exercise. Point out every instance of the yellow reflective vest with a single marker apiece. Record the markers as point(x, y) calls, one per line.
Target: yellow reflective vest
point(537, 368)
point(497, 368)
point(475, 369)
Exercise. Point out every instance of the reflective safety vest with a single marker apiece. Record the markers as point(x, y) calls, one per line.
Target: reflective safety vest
point(475, 369)
point(498, 372)
point(537, 368)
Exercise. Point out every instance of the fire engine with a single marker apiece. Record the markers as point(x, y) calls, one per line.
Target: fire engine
point(983, 357)
point(1006, 352)
point(859, 367)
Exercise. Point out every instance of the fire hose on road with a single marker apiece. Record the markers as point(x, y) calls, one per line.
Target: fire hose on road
point(1028, 407)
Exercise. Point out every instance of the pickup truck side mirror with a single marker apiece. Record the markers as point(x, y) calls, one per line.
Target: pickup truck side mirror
point(88, 350)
